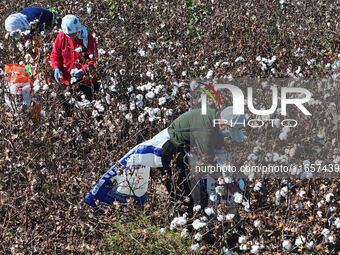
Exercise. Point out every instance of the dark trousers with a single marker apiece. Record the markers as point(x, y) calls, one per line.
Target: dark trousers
point(177, 179)
point(75, 88)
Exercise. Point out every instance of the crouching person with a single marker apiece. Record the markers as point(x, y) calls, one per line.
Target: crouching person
point(73, 60)
point(193, 128)
point(35, 19)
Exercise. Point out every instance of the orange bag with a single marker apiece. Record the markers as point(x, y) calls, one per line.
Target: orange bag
point(17, 78)
point(20, 87)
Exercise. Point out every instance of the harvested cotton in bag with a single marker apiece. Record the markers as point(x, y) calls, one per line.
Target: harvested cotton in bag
point(138, 160)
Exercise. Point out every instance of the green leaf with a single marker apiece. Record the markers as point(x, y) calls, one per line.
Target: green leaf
point(46, 187)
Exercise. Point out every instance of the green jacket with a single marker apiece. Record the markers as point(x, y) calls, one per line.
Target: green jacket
point(198, 129)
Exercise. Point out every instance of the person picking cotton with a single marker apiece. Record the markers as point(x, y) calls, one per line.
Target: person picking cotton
point(73, 58)
point(32, 19)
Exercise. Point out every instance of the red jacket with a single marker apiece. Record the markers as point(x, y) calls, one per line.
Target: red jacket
point(65, 58)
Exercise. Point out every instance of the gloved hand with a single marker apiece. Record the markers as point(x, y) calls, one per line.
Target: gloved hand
point(77, 74)
point(57, 74)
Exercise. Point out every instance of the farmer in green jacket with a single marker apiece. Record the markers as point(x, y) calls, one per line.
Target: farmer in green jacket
point(207, 133)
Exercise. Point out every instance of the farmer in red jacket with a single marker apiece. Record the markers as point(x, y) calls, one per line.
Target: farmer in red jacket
point(73, 58)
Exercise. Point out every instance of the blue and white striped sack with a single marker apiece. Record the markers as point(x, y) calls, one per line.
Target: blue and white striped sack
point(133, 182)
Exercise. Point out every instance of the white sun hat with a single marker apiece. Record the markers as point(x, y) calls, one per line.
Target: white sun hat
point(16, 21)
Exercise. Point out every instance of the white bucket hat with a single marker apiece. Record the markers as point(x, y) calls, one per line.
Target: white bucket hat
point(15, 22)
point(235, 123)
point(71, 24)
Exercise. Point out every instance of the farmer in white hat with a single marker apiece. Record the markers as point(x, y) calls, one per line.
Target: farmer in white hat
point(73, 58)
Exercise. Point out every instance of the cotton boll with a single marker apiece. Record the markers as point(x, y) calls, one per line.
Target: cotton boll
point(302, 193)
point(36, 86)
point(208, 211)
point(101, 51)
point(238, 197)
point(122, 107)
point(209, 74)
point(278, 195)
point(132, 106)
point(257, 223)
point(242, 239)
point(328, 197)
point(151, 45)
point(130, 89)
point(239, 59)
point(221, 181)
point(88, 9)
point(95, 113)
point(169, 112)
point(213, 197)
point(276, 157)
point(139, 97)
point(319, 214)
point(310, 245)
point(79, 49)
point(128, 116)
point(284, 191)
point(220, 218)
point(99, 106)
point(284, 134)
point(292, 151)
point(228, 180)
point(243, 247)
point(53, 95)
point(203, 218)
point(336, 223)
point(161, 101)
point(229, 217)
point(325, 232)
point(46, 87)
point(287, 245)
point(108, 99)
point(306, 163)
point(142, 53)
point(336, 160)
point(321, 203)
point(300, 240)
point(246, 206)
point(197, 224)
point(195, 247)
point(184, 232)
point(113, 88)
point(150, 95)
point(258, 186)
point(141, 118)
point(219, 190)
point(28, 44)
point(178, 221)
point(198, 237)
point(197, 208)
point(139, 104)
point(255, 249)
point(174, 91)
